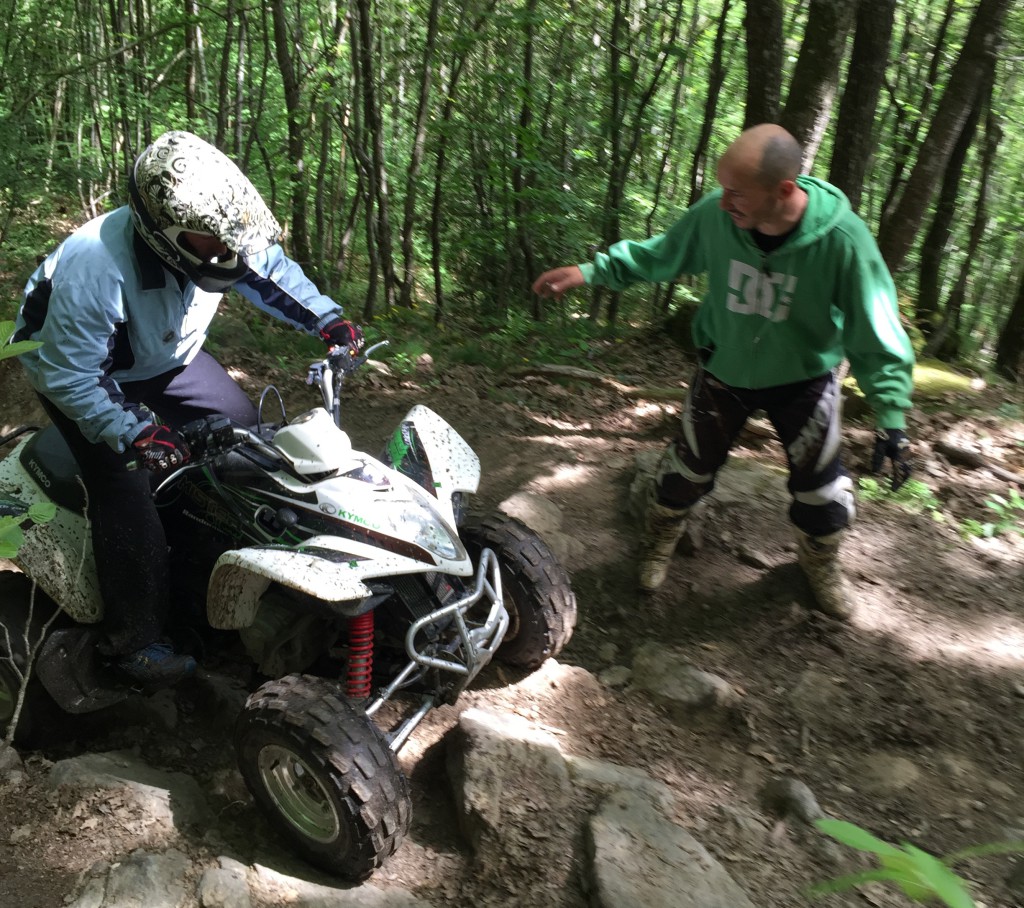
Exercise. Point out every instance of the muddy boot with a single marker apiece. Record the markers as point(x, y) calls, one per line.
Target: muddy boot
point(662, 529)
point(819, 559)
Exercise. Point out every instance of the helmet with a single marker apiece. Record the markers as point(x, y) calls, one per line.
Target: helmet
point(181, 184)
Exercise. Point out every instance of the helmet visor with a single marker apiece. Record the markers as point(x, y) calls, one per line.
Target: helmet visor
point(205, 258)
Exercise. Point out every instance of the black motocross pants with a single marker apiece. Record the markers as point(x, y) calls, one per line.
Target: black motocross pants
point(805, 416)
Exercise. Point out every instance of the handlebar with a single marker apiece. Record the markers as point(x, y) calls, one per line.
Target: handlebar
point(213, 436)
point(329, 375)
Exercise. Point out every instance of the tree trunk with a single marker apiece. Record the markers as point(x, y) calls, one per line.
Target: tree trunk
point(716, 78)
point(897, 234)
point(1010, 347)
point(948, 340)
point(623, 69)
point(298, 122)
point(378, 176)
point(520, 180)
point(416, 159)
point(934, 246)
point(455, 68)
point(762, 24)
point(816, 74)
point(856, 137)
point(910, 117)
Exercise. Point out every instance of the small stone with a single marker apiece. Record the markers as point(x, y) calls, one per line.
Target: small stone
point(19, 834)
point(787, 796)
point(615, 676)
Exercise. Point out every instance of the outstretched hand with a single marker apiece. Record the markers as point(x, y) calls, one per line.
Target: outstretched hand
point(558, 280)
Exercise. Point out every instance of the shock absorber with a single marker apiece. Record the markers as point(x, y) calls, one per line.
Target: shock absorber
point(360, 656)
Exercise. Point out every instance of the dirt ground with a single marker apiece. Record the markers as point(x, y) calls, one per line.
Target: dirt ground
point(907, 720)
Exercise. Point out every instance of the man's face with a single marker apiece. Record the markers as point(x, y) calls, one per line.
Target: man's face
point(207, 248)
point(749, 203)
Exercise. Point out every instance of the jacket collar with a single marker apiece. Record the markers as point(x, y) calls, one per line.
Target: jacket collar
point(151, 267)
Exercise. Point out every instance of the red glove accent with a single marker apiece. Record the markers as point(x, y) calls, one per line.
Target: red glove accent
point(160, 448)
point(342, 333)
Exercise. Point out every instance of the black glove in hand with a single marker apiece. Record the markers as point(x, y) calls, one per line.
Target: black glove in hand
point(160, 448)
point(894, 445)
point(342, 333)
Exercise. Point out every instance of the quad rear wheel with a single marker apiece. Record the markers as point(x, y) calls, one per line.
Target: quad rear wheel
point(324, 774)
point(538, 593)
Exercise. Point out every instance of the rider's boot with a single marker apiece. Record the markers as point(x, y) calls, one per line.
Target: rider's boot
point(662, 529)
point(819, 558)
point(156, 664)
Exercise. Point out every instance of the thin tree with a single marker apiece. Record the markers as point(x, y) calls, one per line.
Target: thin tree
point(416, 156)
point(898, 232)
point(762, 24)
point(855, 136)
point(288, 63)
point(813, 86)
point(373, 125)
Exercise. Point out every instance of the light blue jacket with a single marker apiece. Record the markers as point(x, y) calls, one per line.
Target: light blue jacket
point(108, 311)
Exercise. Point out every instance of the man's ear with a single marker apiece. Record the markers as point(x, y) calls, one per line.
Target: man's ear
point(787, 188)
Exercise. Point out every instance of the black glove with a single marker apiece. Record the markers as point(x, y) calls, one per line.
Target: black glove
point(160, 448)
point(892, 444)
point(342, 333)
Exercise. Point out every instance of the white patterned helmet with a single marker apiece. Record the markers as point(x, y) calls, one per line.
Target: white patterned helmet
point(181, 184)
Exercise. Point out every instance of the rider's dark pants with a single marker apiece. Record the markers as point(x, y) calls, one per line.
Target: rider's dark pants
point(127, 537)
point(806, 418)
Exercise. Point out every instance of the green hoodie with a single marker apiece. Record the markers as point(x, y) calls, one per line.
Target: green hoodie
point(774, 318)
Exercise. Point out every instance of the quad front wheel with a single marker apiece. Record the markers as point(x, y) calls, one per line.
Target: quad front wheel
point(324, 775)
point(538, 595)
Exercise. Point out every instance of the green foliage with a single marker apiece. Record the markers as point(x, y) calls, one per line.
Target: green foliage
point(913, 496)
point(919, 875)
point(11, 533)
point(7, 350)
point(1009, 517)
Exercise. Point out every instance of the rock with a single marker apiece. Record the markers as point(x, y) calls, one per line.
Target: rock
point(10, 759)
point(638, 857)
point(676, 684)
point(142, 880)
point(277, 889)
point(786, 796)
point(538, 512)
point(169, 799)
point(884, 773)
point(607, 778)
point(498, 764)
point(224, 886)
point(615, 676)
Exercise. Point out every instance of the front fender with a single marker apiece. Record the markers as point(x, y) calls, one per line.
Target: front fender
point(433, 454)
point(242, 576)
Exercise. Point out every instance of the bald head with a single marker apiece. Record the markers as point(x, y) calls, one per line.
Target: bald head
point(758, 177)
point(767, 153)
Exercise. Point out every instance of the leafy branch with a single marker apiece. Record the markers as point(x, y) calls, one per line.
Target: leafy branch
point(919, 875)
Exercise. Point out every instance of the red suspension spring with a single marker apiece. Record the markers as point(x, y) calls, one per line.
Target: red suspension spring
point(360, 656)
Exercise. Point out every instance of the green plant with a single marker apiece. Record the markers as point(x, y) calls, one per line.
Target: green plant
point(920, 875)
point(16, 349)
point(913, 496)
point(11, 535)
point(1009, 517)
